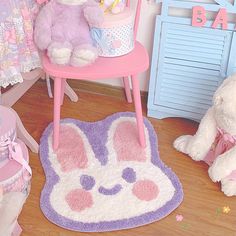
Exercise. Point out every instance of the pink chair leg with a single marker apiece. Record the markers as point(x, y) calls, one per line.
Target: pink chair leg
point(138, 110)
point(127, 89)
point(63, 86)
point(57, 110)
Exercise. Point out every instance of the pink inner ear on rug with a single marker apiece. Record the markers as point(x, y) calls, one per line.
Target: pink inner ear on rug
point(71, 153)
point(126, 143)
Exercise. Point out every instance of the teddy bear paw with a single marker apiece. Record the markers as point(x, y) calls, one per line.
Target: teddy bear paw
point(61, 56)
point(228, 187)
point(188, 145)
point(216, 173)
point(213, 175)
point(83, 56)
point(181, 143)
point(59, 53)
point(196, 152)
point(219, 170)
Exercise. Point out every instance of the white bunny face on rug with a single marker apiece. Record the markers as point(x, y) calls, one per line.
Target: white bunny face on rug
point(109, 185)
point(215, 139)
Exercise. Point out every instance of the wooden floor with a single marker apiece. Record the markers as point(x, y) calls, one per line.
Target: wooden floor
point(202, 199)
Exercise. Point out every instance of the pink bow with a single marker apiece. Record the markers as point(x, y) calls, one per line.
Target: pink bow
point(227, 137)
point(15, 153)
point(222, 144)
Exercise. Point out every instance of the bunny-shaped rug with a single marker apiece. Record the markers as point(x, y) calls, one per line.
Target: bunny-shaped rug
point(100, 179)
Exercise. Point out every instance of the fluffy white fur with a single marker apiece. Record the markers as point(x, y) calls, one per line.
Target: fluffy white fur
point(82, 57)
point(221, 115)
point(60, 52)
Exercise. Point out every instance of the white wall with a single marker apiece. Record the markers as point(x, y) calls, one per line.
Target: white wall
point(145, 35)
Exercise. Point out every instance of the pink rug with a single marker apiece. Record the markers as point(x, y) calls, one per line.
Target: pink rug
point(100, 179)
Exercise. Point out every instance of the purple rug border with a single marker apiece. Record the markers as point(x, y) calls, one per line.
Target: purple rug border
point(147, 218)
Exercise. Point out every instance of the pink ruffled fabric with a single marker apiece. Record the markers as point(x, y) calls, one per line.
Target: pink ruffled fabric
point(222, 144)
point(17, 50)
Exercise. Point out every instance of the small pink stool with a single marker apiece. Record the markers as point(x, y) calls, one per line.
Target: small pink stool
point(15, 173)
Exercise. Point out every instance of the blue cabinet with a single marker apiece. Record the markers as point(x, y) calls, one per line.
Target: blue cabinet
point(188, 65)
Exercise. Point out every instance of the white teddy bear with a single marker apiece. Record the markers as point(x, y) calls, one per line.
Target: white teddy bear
point(215, 140)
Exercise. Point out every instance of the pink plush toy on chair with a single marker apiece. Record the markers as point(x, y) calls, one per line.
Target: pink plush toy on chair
point(62, 28)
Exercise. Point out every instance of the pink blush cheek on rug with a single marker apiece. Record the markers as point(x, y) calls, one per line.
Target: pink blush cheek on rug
point(126, 143)
point(71, 153)
point(79, 199)
point(145, 190)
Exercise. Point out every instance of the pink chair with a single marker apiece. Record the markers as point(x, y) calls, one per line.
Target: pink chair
point(131, 64)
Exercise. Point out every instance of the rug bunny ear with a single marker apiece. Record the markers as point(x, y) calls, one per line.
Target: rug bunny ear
point(74, 150)
point(124, 135)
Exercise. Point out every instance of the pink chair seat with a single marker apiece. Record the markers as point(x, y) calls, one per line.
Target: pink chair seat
point(137, 61)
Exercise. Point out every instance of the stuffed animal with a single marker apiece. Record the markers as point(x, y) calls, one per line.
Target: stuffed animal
point(62, 28)
point(215, 140)
point(114, 6)
point(10, 208)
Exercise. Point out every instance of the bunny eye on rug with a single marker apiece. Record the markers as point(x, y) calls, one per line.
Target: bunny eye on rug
point(62, 28)
point(100, 179)
point(215, 140)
